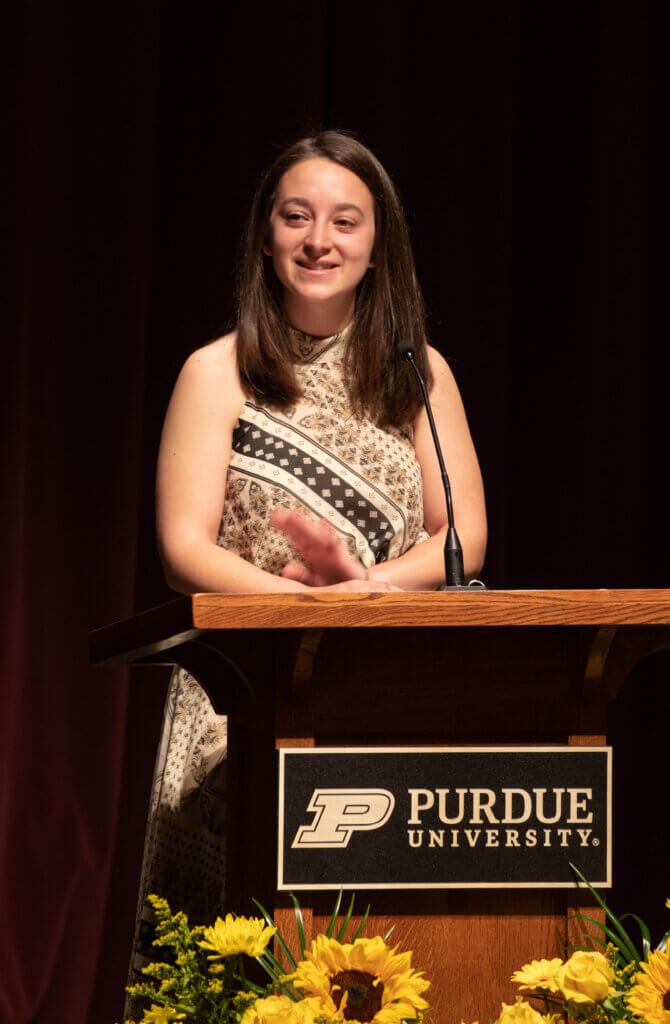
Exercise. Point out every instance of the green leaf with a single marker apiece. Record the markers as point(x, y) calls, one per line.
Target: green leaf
point(357, 933)
point(284, 986)
point(625, 943)
point(278, 936)
point(591, 938)
point(301, 927)
point(331, 924)
point(347, 918)
point(267, 968)
point(611, 935)
point(388, 933)
point(664, 942)
point(591, 920)
point(258, 989)
point(273, 962)
point(646, 937)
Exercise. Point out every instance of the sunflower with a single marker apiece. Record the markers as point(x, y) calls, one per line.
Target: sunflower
point(361, 981)
point(650, 997)
point(237, 935)
point(538, 974)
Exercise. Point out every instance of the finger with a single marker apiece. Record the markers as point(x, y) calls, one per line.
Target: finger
point(312, 539)
point(328, 533)
point(300, 573)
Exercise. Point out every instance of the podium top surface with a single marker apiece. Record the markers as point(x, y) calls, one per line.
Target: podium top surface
point(187, 617)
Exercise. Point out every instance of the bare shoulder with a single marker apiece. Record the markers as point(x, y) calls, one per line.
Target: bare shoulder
point(217, 357)
point(444, 382)
point(439, 366)
point(208, 385)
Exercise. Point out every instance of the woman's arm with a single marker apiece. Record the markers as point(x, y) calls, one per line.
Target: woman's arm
point(422, 567)
point(193, 461)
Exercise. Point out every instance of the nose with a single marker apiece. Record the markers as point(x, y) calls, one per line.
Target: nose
point(317, 240)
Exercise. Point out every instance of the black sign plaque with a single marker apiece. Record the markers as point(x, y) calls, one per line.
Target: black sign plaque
point(444, 818)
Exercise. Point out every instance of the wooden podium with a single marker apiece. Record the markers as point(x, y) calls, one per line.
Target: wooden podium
point(436, 669)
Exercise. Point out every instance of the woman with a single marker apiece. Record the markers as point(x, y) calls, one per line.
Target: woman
point(296, 454)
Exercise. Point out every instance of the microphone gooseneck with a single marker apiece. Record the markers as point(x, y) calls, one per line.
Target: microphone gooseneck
point(453, 552)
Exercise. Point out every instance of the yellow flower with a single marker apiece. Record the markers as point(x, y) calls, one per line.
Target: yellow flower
point(538, 974)
point(361, 981)
point(237, 935)
point(520, 1012)
point(586, 977)
point(161, 1015)
point(280, 1010)
point(650, 998)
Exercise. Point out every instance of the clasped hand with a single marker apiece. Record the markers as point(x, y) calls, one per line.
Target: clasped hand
point(329, 564)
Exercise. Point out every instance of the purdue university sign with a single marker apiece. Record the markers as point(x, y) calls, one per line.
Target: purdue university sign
point(442, 818)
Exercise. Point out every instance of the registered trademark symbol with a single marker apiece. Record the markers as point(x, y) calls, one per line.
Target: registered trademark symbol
point(596, 841)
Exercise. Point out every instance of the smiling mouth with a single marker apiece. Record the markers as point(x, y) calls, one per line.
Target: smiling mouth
point(316, 268)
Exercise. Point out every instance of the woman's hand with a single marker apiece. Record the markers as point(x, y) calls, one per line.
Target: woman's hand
point(329, 564)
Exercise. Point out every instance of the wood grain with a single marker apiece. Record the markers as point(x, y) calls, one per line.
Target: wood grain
point(432, 608)
point(156, 634)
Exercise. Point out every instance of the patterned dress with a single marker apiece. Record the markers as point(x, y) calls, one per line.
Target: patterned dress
point(315, 456)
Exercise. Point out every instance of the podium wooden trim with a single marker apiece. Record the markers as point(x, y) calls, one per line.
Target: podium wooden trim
point(423, 669)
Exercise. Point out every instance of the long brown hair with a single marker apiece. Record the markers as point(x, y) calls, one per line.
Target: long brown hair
point(389, 303)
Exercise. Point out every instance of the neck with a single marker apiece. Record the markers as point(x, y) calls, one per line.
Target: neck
point(318, 320)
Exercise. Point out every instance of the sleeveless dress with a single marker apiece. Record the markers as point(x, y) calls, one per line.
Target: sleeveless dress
point(318, 457)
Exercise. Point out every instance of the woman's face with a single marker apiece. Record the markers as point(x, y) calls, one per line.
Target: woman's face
point(321, 236)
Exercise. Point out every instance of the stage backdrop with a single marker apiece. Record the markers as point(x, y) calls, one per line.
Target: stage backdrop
point(525, 141)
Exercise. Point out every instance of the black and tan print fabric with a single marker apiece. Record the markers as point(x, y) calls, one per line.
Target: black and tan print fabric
point(316, 457)
point(319, 458)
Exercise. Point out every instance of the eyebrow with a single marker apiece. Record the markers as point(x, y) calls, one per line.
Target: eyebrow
point(338, 207)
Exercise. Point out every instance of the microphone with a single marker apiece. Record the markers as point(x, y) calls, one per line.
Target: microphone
point(453, 552)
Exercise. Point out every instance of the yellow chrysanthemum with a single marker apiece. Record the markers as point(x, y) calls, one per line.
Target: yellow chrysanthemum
point(538, 974)
point(361, 981)
point(161, 1015)
point(237, 935)
point(280, 1010)
point(650, 997)
point(519, 1012)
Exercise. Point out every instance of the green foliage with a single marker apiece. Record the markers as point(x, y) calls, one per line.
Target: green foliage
point(207, 993)
point(625, 950)
point(219, 993)
point(277, 971)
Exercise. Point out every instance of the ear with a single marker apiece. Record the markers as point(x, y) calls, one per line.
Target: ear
point(267, 251)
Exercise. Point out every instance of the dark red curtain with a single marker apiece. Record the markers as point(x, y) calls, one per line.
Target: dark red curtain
point(525, 139)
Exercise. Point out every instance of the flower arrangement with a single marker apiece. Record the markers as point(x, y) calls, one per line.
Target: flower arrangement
point(616, 984)
point(362, 980)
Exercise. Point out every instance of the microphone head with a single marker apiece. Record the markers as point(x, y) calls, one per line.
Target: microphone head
point(405, 349)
